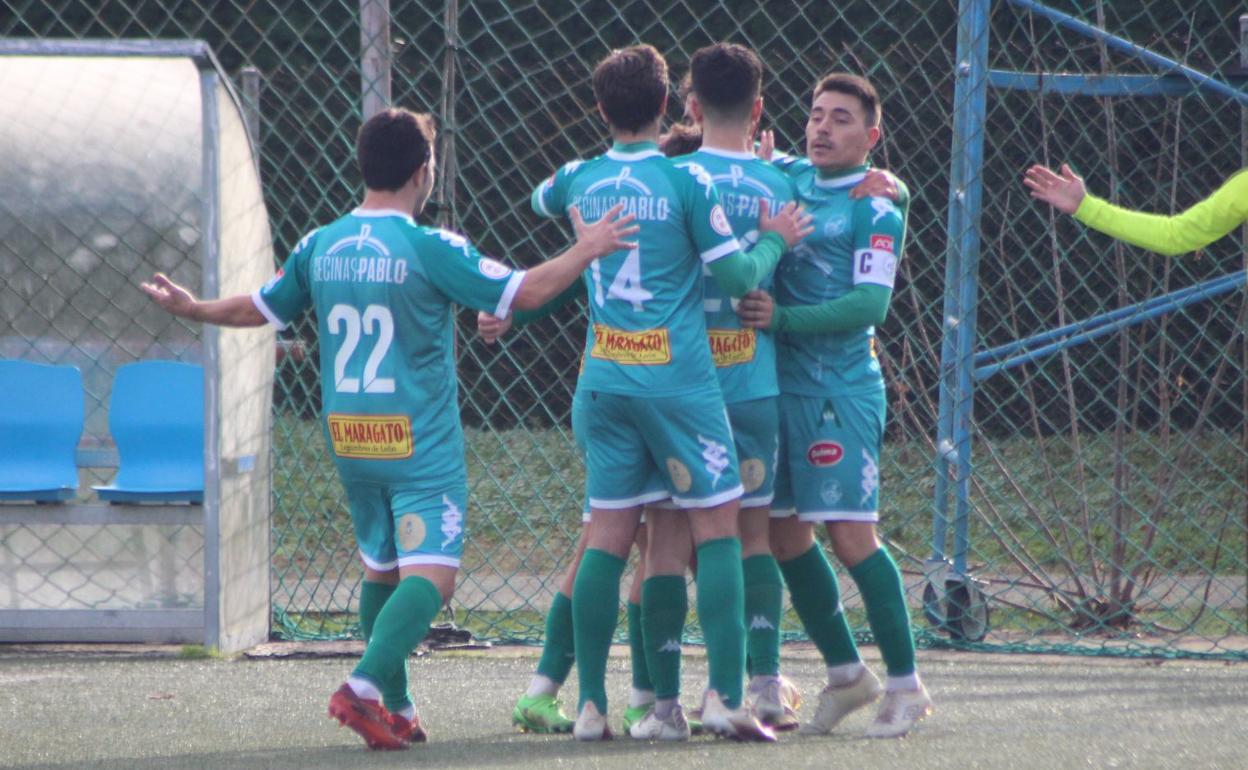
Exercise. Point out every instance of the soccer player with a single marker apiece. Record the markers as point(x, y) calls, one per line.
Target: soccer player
point(1195, 228)
point(725, 102)
point(654, 403)
point(831, 292)
point(382, 287)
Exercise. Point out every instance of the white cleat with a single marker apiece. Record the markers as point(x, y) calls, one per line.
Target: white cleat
point(775, 701)
point(900, 712)
point(651, 728)
point(590, 725)
point(836, 703)
point(739, 723)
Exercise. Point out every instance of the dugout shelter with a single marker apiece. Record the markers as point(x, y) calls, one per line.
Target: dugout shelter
point(120, 159)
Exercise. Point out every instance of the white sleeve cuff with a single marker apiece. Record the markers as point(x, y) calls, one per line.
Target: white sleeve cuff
point(258, 300)
point(720, 251)
point(509, 293)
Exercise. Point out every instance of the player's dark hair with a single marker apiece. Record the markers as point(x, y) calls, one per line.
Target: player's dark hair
point(727, 78)
point(855, 86)
point(392, 146)
point(631, 84)
point(682, 139)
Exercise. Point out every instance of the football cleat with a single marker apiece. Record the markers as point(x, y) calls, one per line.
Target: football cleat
point(368, 718)
point(634, 714)
point(591, 725)
point(900, 712)
point(412, 731)
point(775, 701)
point(739, 723)
point(651, 728)
point(836, 703)
point(540, 714)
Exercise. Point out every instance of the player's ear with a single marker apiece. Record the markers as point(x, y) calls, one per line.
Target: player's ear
point(756, 112)
point(695, 109)
point(873, 137)
point(603, 113)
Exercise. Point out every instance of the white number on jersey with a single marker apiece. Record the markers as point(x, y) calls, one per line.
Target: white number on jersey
point(626, 285)
point(346, 320)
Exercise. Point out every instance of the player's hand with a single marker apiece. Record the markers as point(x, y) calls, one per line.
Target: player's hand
point(756, 309)
point(169, 295)
point(766, 144)
point(878, 183)
point(1064, 192)
point(491, 327)
point(607, 234)
point(791, 223)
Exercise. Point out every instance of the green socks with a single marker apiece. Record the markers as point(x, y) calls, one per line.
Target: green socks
point(373, 597)
point(665, 604)
point(595, 611)
point(559, 648)
point(817, 599)
point(721, 607)
point(400, 625)
point(637, 649)
point(764, 594)
point(879, 581)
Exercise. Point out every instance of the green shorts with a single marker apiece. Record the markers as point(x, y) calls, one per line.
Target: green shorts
point(755, 431)
point(402, 525)
point(830, 457)
point(684, 440)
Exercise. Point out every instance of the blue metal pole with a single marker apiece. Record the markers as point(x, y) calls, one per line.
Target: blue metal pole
point(1126, 46)
point(1167, 304)
point(967, 206)
point(1209, 288)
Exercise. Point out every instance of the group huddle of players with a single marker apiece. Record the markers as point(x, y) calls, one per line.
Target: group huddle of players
point(729, 396)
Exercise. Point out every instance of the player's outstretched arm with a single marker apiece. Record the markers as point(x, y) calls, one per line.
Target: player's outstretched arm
point(740, 272)
point(1064, 191)
point(239, 310)
point(864, 305)
point(607, 235)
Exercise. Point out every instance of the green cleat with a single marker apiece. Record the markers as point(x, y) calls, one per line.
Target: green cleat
point(634, 714)
point(540, 714)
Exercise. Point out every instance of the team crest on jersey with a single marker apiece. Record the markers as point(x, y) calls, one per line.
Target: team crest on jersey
point(410, 532)
point(491, 268)
point(268, 286)
point(836, 226)
point(719, 221)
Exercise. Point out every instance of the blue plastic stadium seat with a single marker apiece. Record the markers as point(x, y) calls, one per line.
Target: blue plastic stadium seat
point(41, 412)
point(156, 416)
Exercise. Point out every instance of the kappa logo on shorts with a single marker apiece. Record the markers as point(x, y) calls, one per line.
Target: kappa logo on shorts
point(716, 456)
point(452, 521)
point(870, 477)
point(410, 532)
point(823, 454)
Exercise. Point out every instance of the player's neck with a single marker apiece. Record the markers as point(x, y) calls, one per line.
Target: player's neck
point(648, 133)
point(728, 138)
point(831, 172)
point(389, 200)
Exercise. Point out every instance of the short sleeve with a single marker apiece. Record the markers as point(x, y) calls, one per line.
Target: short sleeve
point(708, 223)
point(879, 231)
point(288, 293)
point(550, 199)
point(465, 276)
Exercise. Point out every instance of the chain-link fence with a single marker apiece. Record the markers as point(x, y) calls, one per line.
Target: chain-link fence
point(1108, 497)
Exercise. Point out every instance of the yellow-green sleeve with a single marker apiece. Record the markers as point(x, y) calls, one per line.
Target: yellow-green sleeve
point(1195, 228)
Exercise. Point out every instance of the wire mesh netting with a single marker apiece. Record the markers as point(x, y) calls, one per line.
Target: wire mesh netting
point(1108, 501)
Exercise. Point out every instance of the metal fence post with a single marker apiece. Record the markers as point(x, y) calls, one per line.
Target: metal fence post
point(375, 58)
point(446, 152)
point(249, 77)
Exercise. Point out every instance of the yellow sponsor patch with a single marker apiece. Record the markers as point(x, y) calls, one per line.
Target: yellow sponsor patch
point(730, 347)
point(753, 474)
point(410, 532)
point(679, 474)
point(648, 348)
point(371, 436)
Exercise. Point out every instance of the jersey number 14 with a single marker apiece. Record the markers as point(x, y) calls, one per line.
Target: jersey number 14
point(626, 285)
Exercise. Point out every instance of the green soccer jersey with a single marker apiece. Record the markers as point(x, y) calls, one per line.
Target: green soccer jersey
point(382, 287)
point(854, 242)
point(744, 359)
point(647, 330)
